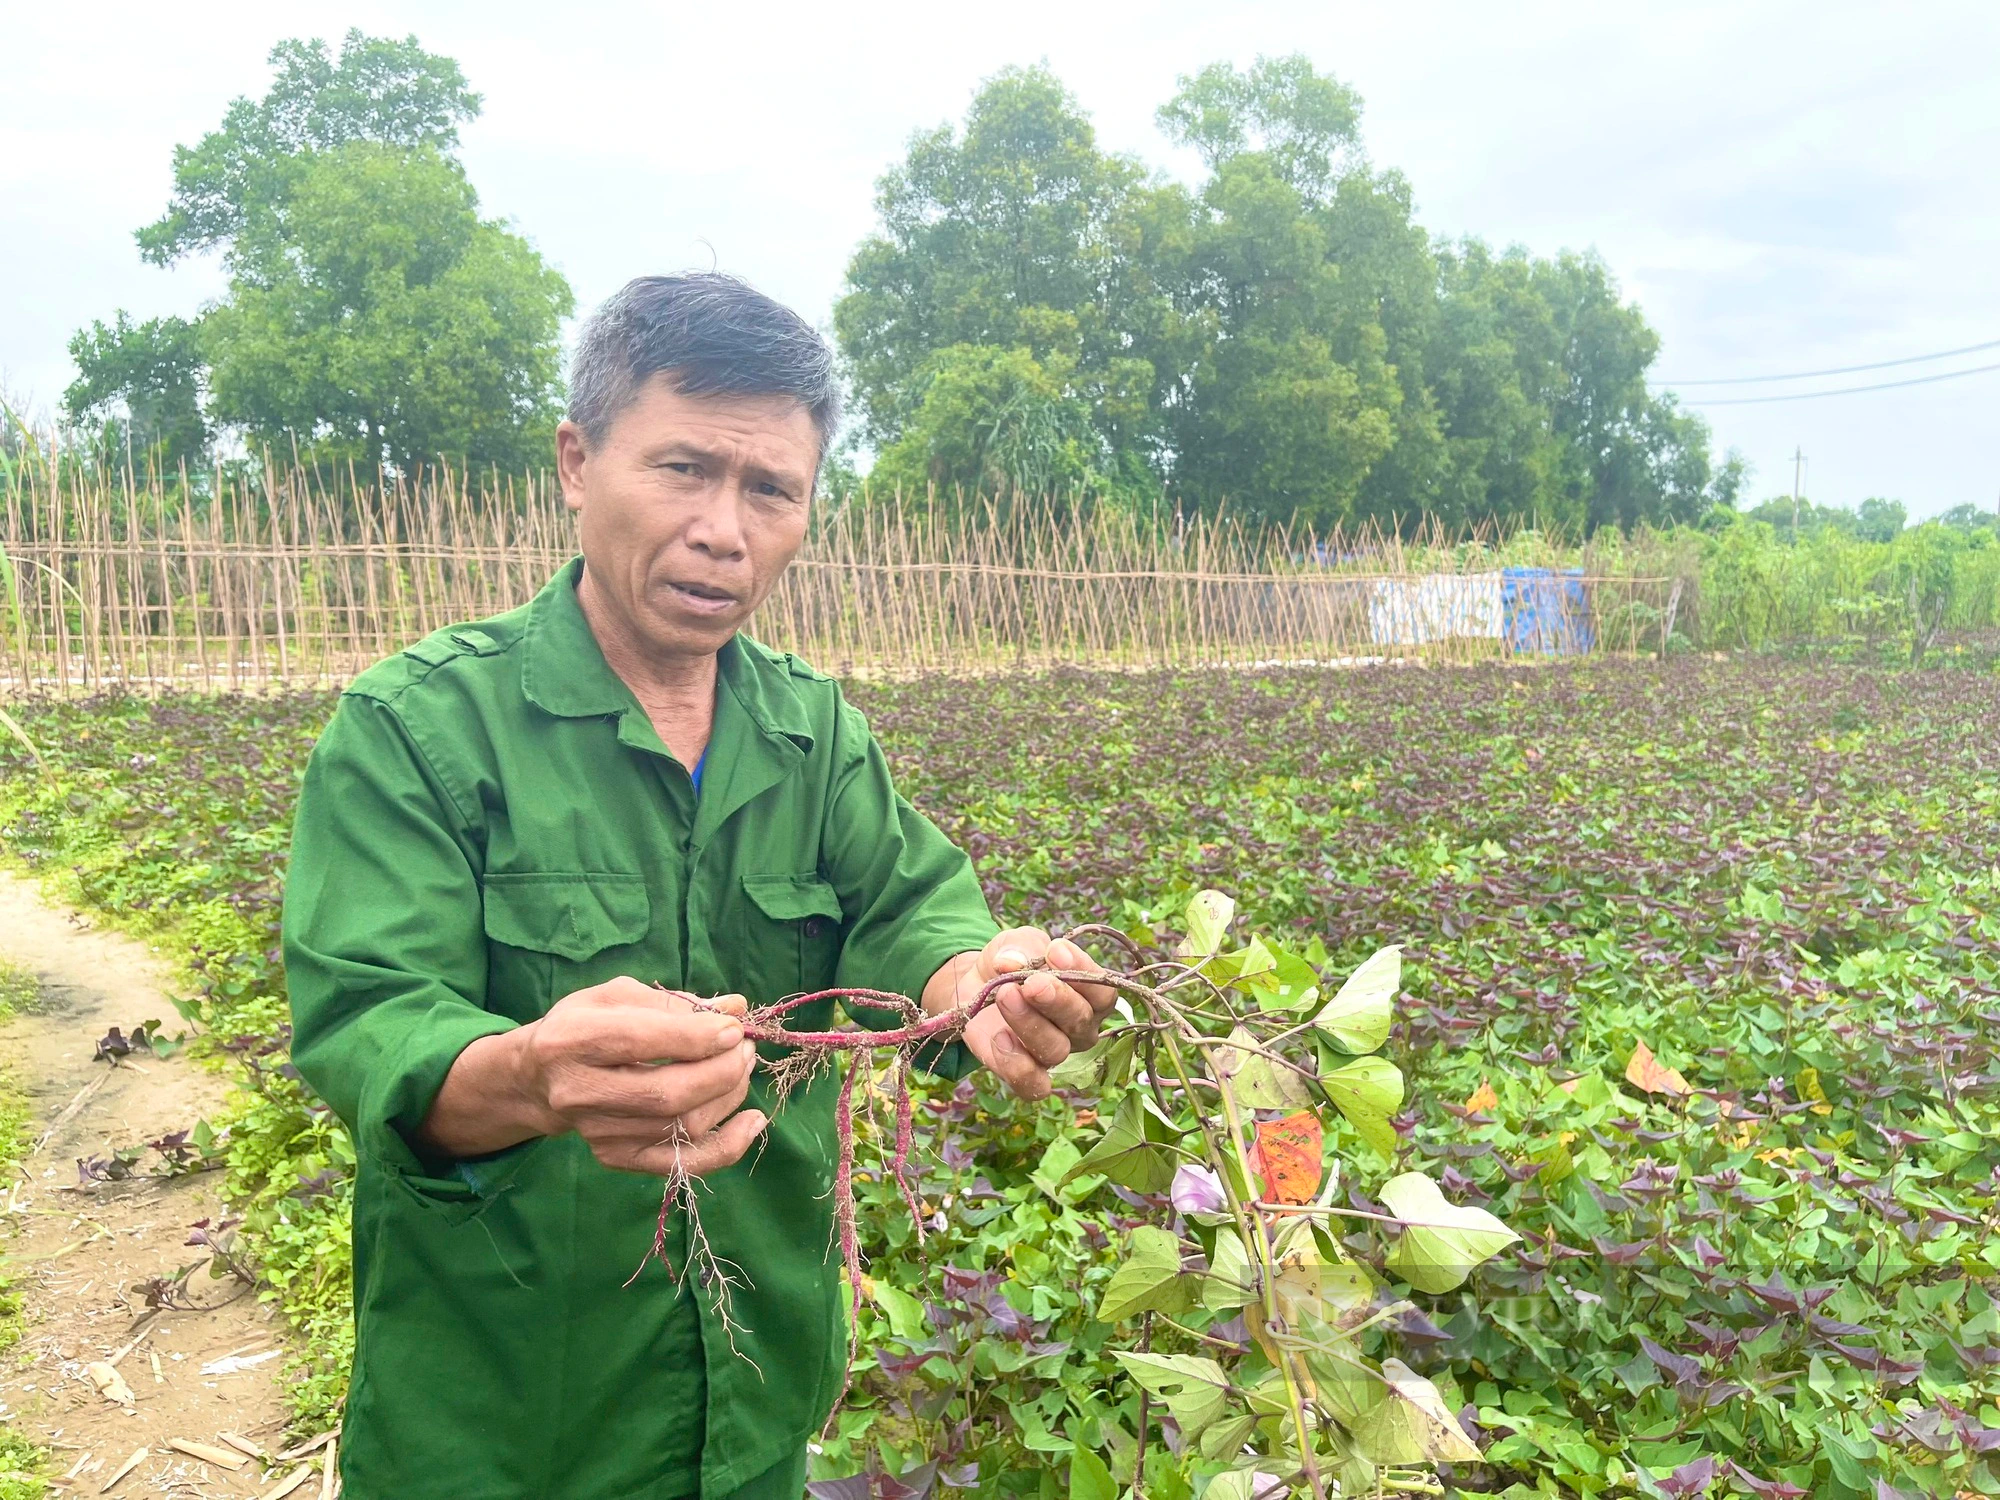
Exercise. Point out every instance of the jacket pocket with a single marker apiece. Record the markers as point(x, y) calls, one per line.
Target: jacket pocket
point(574, 914)
point(552, 932)
point(795, 936)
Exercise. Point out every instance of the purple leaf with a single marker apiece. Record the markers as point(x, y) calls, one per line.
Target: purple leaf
point(1765, 1489)
point(1684, 1370)
point(1692, 1478)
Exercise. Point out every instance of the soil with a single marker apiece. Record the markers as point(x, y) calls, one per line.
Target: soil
point(80, 1254)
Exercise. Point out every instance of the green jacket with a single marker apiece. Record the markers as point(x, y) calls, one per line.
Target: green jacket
point(489, 823)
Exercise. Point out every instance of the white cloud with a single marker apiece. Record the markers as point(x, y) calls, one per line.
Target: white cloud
point(1783, 186)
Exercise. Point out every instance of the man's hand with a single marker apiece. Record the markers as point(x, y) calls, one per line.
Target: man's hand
point(644, 1075)
point(1031, 1026)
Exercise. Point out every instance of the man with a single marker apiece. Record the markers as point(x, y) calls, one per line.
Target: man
point(513, 831)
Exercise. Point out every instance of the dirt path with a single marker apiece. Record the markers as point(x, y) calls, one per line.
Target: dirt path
point(80, 1255)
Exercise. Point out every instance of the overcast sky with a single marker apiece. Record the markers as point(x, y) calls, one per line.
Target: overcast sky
point(1782, 187)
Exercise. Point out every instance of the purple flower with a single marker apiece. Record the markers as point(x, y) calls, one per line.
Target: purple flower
point(1197, 1190)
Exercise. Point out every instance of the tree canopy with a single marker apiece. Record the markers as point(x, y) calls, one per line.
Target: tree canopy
point(153, 370)
point(1281, 338)
point(371, 313)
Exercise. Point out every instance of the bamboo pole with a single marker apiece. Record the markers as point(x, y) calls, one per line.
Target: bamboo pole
point(298, 578)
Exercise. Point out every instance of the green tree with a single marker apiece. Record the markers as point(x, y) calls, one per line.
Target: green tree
point(1880, 520)
point(139, 386)
point(991, 421)
point(1283, 398)
point(1300, 121)
point(227, 186)
point(1801, 519)
point(371, 314)
point(1969, 517)
point(1494, 363)
point(1282, 339)
point(381, 318)
point(1017, 234)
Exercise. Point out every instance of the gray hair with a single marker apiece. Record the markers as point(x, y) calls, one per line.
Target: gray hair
point(714, 335)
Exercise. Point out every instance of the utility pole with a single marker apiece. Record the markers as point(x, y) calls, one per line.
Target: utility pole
point(1798, 471)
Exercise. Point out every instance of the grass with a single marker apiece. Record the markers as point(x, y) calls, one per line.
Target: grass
point(22, 1464)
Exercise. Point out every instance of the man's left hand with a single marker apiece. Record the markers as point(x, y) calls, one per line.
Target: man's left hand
point(1031, 1026)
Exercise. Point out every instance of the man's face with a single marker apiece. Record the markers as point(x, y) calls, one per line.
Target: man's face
point(690, 507)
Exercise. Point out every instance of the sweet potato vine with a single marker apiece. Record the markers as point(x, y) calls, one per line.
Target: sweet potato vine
point(1220, 1076)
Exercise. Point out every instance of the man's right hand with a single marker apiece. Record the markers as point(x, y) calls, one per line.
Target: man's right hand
point(647, 1078)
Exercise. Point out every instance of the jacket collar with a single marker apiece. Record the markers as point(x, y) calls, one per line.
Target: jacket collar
point(563, 672)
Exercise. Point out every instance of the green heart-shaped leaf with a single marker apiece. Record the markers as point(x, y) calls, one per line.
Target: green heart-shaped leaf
point(1229, 1283)
point(1226, 1439)
point(1150, 1279)
point(1367, 1091)
point(1246, 1484)
point(1195, 1389)
point(1291, 984)
point(1359, 1015)
point(1089, 1476)
point(1132, 1152)
point(1441, 1243)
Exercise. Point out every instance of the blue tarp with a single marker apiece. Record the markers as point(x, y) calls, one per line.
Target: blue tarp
point(1547, 612)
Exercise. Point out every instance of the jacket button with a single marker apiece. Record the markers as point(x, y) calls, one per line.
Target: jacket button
point(815, 926)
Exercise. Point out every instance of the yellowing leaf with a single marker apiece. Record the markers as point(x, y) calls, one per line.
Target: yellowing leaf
point(1359, 1015)
point(1441, 1242)
point(1261, 1083)
point(1812, 1091)
point(1647, 1072)
point(1208, 917)
point(1482, 1097)
point(1410, 1424)
point(1308, 1289)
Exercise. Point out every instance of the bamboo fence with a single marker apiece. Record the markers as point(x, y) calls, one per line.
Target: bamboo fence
point(285, 578)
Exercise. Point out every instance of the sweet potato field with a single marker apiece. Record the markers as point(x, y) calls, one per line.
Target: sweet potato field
point(1699, 990)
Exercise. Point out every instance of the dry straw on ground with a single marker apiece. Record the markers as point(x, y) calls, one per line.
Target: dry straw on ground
point(289, 577)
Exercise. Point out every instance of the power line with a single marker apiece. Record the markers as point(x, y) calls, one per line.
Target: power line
point(1914, 359)
point(1846, 390)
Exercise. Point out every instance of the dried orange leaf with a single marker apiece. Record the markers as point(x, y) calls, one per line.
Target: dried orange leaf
point(1647, 1072)
point(1286, 1155)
